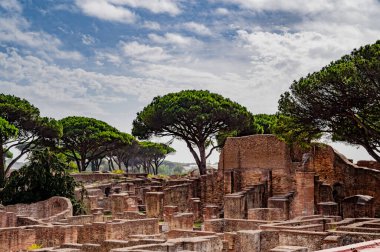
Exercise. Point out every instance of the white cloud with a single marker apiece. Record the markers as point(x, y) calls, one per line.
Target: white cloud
point(141, 52)
point(155, 6)
point(198, 28)
point(173, 38)
point(11, 5)
point(151, 25)
point(119, 10)
point(51, 83)
point(102, 57)
point(16, 30)
point(285, 5)
point(222, 11)
point(106, 10)
point(88, 39)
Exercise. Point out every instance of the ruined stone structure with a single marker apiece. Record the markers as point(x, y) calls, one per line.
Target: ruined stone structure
point(320, 180)
point(265, 196)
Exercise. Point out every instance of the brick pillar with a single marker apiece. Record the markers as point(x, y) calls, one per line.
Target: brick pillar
point(328, 208)
point(227, 182)
point(154, 202)
point(123, 202)
point(211, 212)
point(235, 206)
point(169, 211)
point(303, 203)
point(196, 208)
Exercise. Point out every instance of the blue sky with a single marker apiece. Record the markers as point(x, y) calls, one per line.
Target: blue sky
point(107, 59)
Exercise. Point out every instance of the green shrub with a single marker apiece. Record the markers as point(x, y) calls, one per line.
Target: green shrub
point(43, 177)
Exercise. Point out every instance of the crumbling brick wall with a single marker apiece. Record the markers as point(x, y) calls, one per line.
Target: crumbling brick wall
point(51, 209)
point(250, 160)
point(338, 172)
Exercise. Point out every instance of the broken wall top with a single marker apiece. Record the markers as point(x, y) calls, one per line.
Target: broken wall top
point(255, 151)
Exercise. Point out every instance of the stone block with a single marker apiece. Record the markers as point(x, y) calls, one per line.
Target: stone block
point(211, 212)
point(123, 202)
point(358, 206)
point(303, 202)
point(268, 214)
point(248, 241)
point(154, 202)
point(169, 211)
point(235, 206)
point(289, 249)
point(183, 221)
point(328, 208)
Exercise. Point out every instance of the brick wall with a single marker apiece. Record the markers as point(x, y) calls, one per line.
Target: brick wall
point(52, 209)
point(246, 161)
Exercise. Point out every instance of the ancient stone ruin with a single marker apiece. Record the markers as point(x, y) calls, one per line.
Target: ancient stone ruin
point(265, 196)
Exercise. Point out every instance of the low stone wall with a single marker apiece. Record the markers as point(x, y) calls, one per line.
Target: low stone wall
point(263, 241)
point(370, 245)
point(53, 209)
point(116, 230)
point(256, 241)
point(95, 177)
point(179, 196)
point(312, 240)
point(369, 164)
point(232, 225)
point(16, 239)
point(269, 214)
point(200, 244)
point(52, 236)
point(8, 219)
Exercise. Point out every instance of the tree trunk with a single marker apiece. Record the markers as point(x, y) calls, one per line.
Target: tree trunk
point(371, 152)
point(2, 167)
point(126, 164)
point(202, 156)
point(110, 165)
point(202, 151)
point(83, 164)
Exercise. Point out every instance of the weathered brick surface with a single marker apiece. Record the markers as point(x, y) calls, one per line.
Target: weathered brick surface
point(369, 164)
point(123, 202)
point(233, 225)
point(358, 206)
point(16, 239)
point(235, 206)
point(303, 203)
point(248, 241)
point(120, 229)
point(179, 195)
point(269, 214)
point(8, 219)
point(328, 208)
point(51, 209)
point(154, 202)
point(345, 178)
point(312, 240)
point(211, 212)
point(184, 221)
point(246, 161)
point(95, 177)
point(214, 225)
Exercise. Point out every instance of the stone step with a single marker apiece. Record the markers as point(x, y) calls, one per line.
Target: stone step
point(289, 249)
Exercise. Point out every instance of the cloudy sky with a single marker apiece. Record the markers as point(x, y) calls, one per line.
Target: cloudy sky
point(107, 59)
